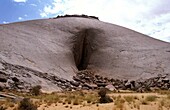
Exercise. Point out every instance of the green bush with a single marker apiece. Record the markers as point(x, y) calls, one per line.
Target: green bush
point(26, 104)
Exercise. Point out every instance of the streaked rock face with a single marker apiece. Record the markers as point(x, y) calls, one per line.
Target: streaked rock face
point(63, 46)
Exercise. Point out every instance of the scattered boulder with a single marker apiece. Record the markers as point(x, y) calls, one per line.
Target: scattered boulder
point(1, 66)
point(88, 80)
point(165, 80)
point(110, 87)
point(87, 86)
point(76, 79)
point(84, 79)
point(1, 88)
point(93, 86)
point(15, 79)
point(128, 85)
point(74, 83)
point(101, 84)
point(3, 78)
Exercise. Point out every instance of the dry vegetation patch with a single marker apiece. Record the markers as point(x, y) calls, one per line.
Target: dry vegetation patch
point(83, 100)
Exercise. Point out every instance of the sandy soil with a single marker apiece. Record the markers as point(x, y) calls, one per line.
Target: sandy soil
point(111, 106)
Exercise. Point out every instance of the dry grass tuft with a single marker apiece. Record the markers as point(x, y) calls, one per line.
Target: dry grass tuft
point(144, 102)
point(151, 98)
point(119, 102)
point(76, 102)
point(129, 99)
point(2, 108)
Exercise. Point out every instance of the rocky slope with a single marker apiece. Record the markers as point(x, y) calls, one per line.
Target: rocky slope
point(45, 52)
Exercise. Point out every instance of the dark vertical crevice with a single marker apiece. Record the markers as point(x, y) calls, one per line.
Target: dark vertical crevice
point(82, 50)
point(84, 55)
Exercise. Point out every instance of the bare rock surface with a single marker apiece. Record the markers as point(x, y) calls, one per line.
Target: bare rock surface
point(49, 52)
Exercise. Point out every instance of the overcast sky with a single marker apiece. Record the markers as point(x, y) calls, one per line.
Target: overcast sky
point(151, 17)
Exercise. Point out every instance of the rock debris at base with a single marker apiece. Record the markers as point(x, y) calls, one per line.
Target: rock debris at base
point(15, 77)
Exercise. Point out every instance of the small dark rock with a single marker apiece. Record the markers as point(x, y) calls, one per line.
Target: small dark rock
point(112, 80)
point(87, 78)
point(141, 90)
point(1, 88)
point(99, 81)
point(128, 85)
point(74, 83)
point(15, 79)
point(85, 88)
point(3, 78)
point(165, 80)
point(94, 86)
point(76, 79)
point(165, 87)
point(20, 87)
point(163, 76)
point(63, 81)
point(133, 83)
point(87, 85)
point(125, 81)
point(101, 84)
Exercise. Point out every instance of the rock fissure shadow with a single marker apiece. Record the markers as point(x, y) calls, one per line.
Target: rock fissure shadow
point(84, 47)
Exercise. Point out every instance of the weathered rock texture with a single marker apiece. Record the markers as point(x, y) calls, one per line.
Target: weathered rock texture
point(33, 50)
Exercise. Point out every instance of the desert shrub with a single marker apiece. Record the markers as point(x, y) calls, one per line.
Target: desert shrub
point(91, 98)
point(52, 98)
point(151, 98)
point(26, 104)
point(68, 100)
point(88, 101)
point(103, 97)
point(129, 99)
point(2, 108)
point(114, 97)
point(102, 92)
point(164, 92)
point(144, 102)
point(142, 96)
point(165, 103)
point(119, 103)
point(11, 104)
point(76, 102)
point(36, 90)
point(162, 102)
point(168, 96)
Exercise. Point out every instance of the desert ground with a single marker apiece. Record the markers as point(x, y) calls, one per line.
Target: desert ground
point(89, 100)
